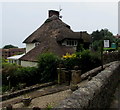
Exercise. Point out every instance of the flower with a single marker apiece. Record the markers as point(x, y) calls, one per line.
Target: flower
point(69, 56)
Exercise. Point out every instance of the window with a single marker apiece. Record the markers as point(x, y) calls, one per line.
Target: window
point(37, 43)
point(75, 43)
point(71, 43)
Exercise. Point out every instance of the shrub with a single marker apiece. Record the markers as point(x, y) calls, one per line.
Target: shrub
point(8, 70)
point(89, 60)
point(69, 61)
point(28, 75)
point(47, 66)
point(85, 60)
point(18, 74)
point(4, 88)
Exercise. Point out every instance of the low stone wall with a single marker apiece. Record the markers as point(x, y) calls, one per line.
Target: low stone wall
point(94, 71)
point(97, 92)
point(24, 91)
point(111, 56)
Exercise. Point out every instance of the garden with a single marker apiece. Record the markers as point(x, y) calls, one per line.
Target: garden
point(15, 77)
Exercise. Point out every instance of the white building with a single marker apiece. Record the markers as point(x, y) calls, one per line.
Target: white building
point(53, 36)
point(15, 59)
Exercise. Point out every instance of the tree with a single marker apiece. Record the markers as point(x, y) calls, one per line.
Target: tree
point(102, 34)
point(98, 36)
point(9, 46)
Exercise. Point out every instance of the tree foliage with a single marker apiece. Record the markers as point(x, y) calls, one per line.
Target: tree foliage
point(98, 36)
point(9, 46)
point(102, 34)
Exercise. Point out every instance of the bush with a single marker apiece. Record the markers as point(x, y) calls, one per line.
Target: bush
point(47, 66)
point(69, 61)
point(8, 70)
point(46, 71)
point(89, 60)
point(28, 75)
point(4, 88)
point(85, 60)
point(18, 74)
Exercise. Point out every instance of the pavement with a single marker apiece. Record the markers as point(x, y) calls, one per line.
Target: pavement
point(47, 96)
point(38, 93)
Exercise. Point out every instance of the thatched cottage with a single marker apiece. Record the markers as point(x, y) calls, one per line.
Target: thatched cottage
point(53, 36)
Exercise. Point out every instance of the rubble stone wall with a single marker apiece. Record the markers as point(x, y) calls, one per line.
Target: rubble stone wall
point(97, 92)
point(111, 56)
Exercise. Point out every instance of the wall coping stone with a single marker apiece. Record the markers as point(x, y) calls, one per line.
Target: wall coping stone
point(24, 91)
point(96, 92)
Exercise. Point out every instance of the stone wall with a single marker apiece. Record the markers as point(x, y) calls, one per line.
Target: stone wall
point(97, 92)
point(111, 56)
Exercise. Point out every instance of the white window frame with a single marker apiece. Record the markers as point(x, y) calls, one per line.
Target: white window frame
point(71, 42)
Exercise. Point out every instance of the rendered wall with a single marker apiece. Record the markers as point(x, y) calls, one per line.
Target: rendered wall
point(28, 64)
point(29, 47)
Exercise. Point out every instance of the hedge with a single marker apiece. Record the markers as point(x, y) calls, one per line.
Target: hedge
point(47, 68)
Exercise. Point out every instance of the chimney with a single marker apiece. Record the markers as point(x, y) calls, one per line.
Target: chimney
point(53, 12)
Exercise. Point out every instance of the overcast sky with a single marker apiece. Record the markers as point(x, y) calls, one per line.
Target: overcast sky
point(19, 20)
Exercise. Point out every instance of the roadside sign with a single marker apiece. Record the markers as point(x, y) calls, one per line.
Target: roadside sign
point(106, 43)
point(113, 45)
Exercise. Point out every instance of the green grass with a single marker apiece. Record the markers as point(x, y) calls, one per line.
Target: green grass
point(109, 49)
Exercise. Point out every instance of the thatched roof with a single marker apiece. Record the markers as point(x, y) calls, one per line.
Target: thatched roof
point(51, 27)
point(48, 45)
point(54, 27)
point(49, 34)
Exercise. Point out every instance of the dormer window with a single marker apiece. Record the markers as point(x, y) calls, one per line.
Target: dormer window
point(71, 42)
point(37, 43)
